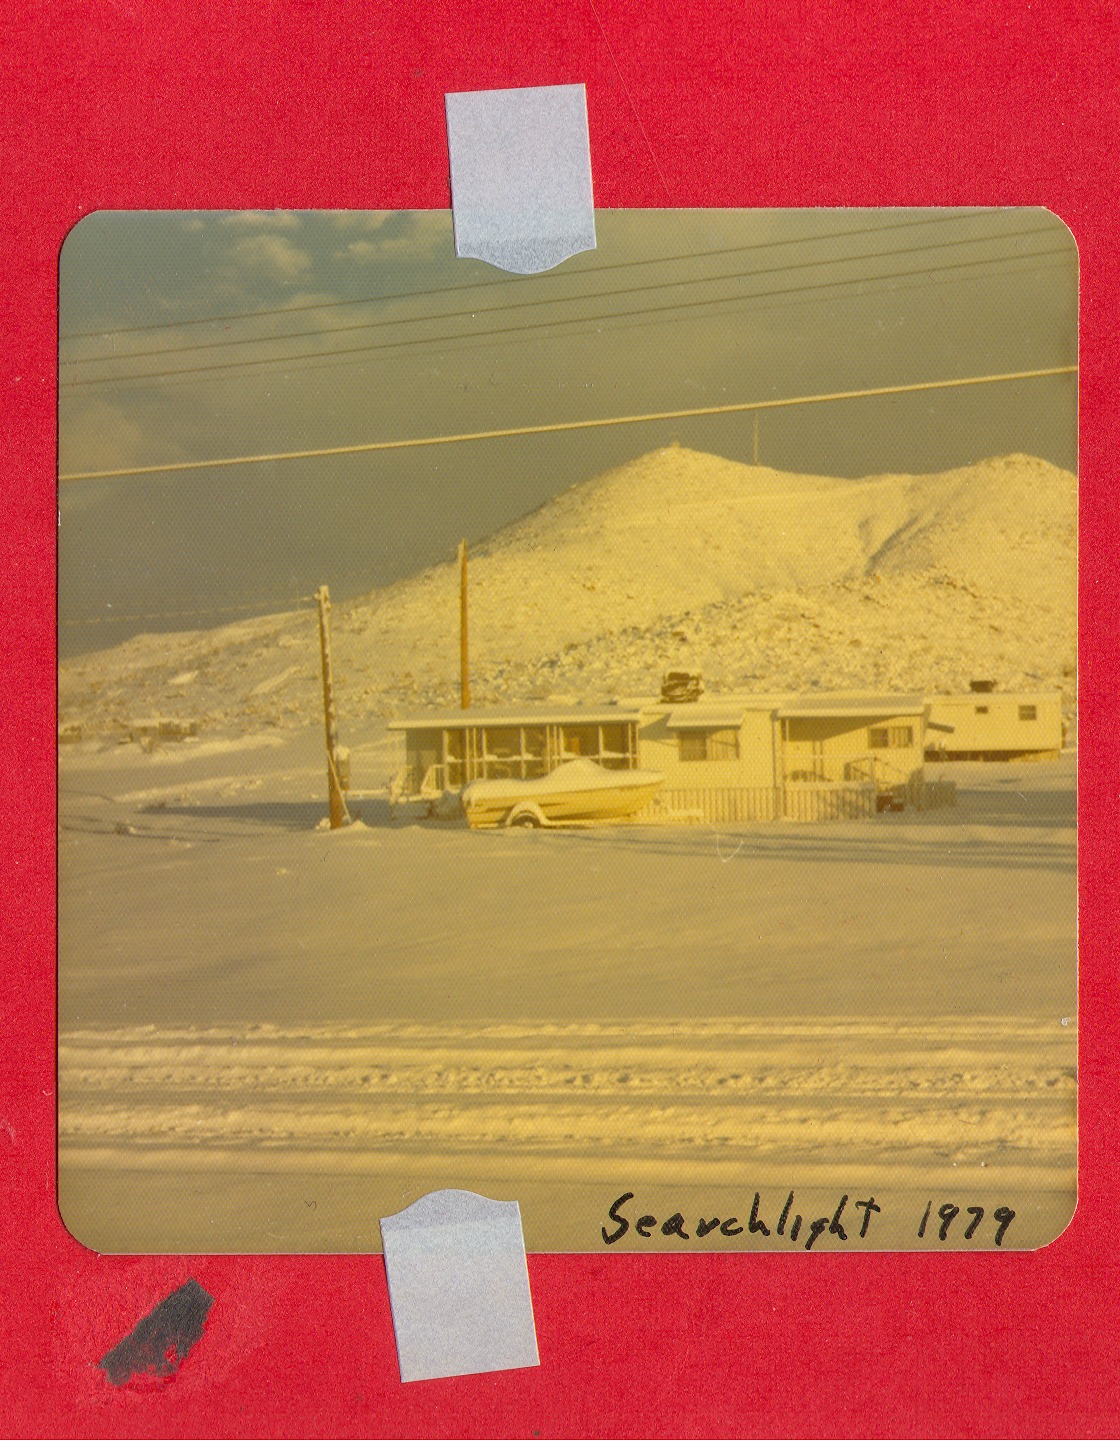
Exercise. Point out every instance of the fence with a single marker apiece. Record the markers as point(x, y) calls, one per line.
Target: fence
point(805, 801)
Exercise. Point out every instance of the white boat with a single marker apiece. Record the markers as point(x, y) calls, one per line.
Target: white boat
point(576, 791)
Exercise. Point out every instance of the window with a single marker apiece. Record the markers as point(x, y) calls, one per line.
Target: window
point(456, 757)
point(1028, 713)
point(882, 738)
point(982, 710)
point(535, 751)
point(580, 740)
point(721, 745)
point(615, 746)
point(502, 742)
point(694, 746)
point(611, 744)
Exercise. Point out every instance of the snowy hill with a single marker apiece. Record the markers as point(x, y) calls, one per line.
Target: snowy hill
point(675, 560)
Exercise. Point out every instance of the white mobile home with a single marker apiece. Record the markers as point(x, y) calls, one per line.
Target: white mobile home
point(735, 758)
point(804, 757)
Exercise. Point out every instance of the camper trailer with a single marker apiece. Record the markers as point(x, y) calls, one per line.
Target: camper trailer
point(984, 724)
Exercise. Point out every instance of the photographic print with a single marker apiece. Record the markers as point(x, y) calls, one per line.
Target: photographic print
point(604, 740)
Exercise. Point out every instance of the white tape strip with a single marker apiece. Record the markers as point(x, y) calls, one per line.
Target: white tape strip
point(459, 1286)
point(521, 176)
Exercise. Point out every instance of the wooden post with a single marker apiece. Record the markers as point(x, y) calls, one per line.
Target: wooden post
point(755, 414)
point(779, 771)
point(339, 815)
point(464, 667)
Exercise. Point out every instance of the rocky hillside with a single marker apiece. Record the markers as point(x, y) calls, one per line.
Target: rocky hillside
point(675, 560)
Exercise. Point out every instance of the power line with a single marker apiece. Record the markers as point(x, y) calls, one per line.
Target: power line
point(946, 217)
point(577, 326)
point(381, 346)
point(738, 406)
point(591, 326)
point(213, 345)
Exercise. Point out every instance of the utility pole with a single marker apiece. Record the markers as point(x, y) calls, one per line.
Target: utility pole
point(339, 814)
point(464, 667)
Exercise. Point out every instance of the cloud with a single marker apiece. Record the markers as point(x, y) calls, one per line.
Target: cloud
point(262, 220)
point(363, 250)
point(363, 220)
point(345, 219)
point(309, 298)
point(414, 234)
point(101, 435)
point(273, 256)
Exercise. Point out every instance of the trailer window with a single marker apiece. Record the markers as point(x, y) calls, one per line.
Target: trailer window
point(883, 738)
point(715, 745)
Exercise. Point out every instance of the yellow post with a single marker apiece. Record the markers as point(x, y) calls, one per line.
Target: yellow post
point(339, 816)
point(464, 668)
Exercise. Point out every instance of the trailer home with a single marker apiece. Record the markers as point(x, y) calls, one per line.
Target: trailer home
point(735, 758)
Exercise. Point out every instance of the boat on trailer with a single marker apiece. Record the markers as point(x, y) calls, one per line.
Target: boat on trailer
point(577, 792)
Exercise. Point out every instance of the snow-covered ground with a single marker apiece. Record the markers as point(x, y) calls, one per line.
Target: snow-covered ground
point(271, 1035)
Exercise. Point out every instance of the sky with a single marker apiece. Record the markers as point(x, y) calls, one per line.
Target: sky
point(197, 336)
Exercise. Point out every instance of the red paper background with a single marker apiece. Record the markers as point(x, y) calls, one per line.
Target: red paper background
point(151, 103)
